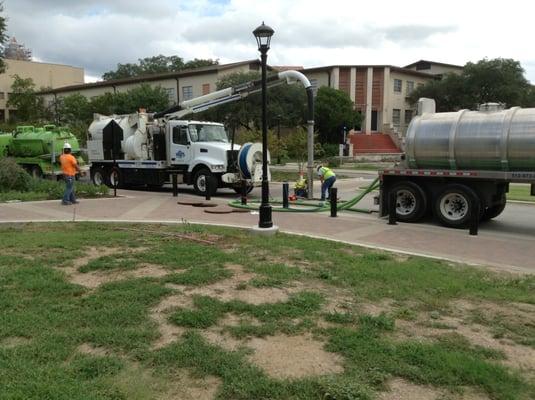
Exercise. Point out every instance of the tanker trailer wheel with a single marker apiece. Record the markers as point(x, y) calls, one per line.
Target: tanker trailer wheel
point(454, 205)
point(411, 201)
point(36, 172)
point(495, 210)
point(98, 176)
point(203, 178)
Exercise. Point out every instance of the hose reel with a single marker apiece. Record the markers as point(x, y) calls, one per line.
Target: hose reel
point(250, 162)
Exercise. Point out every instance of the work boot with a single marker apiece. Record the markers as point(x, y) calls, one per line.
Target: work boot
point(66, 203)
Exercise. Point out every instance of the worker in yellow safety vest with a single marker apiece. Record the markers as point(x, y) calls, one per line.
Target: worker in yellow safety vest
point(327, 178)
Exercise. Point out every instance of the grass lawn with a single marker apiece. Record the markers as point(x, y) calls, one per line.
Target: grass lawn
point(521, 192)
point(92, 311)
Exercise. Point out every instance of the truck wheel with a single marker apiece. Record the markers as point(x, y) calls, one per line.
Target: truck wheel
point(115, 177)
point(411, 201)
point(36, 172)
point(495, 210)
point(98, 177)
point(201, 179)
point(454, 205)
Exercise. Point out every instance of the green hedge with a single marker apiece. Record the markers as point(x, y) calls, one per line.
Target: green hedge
point(17, 184)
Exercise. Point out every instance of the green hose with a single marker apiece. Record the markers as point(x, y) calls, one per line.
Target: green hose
point(345, 206)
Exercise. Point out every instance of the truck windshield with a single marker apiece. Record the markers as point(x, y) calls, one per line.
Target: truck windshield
point(207, 133)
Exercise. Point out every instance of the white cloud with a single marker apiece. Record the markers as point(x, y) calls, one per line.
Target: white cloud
point(98, 34)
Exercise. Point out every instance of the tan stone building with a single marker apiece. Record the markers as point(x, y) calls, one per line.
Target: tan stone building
point(180, 86)
point(44, 75)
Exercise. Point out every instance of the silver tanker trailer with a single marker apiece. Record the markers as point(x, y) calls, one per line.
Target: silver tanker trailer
point(456, 161)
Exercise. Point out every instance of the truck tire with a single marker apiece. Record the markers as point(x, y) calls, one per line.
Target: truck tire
point(115, 174)
point(495, 210)
point(203, 177)
point(454, 205)
point(36, 172)
point(98, 176)
point(411, 201)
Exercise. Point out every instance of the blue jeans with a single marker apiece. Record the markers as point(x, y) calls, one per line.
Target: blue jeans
point(68, 194)
point(326, 185)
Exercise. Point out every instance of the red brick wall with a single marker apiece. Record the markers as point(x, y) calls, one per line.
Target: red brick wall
point(344, 78)
point(377, 88)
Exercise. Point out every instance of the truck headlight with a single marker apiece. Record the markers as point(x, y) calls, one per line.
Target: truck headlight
point(218, 167)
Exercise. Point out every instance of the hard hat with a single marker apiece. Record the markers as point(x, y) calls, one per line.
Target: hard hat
point(66, 146)
point(318, 167)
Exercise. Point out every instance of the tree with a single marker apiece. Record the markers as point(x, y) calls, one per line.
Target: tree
point(497, 80)
point(3, 38)
point(74, 108)
point(25, 99)
point(155, 65)
point(286, 104)
point(334, 110)
point(77, 108)
point(150, 98)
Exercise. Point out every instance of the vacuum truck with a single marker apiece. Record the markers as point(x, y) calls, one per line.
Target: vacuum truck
point(37, 149)
point(149, 149)
point(456, 163)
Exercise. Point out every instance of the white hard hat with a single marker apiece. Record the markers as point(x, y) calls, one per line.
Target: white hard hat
point(67, 146)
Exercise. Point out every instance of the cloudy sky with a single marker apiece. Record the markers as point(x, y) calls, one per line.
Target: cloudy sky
point(98, 34)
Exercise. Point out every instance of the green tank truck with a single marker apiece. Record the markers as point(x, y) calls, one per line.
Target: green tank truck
point(37, 149)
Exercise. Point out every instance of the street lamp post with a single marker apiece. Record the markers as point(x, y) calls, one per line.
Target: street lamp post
point(263, 37)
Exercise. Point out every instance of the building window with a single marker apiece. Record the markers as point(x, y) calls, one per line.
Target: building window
point(187, 92)
point(2, 95)
point(410, 87)
point(171, 94)
point(205, 88)
point(398, 85)
point(396, 116)
point(408, 116)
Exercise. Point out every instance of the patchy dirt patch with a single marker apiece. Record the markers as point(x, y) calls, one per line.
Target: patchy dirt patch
point(293, 356)
point(217, 337)
point(87, 348)
point(184, 386)
point(168, 331)
point(517, 356)
point(400, 389)
point(227, 289)
point(377, 308)
point(92, 253)
point(95, 279)
point(13, 341)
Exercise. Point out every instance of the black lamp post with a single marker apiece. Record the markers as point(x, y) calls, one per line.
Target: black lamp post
point(263, 37)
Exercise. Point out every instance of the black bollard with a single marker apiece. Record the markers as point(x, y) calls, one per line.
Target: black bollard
point(333, 196)
point(392, 201)
point(244, 192)
point(207, 190)
point(285, 193)
point(175, 184)
point(474, 217)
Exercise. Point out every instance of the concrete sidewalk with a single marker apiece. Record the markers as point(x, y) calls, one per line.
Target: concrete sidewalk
point(499, 250)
